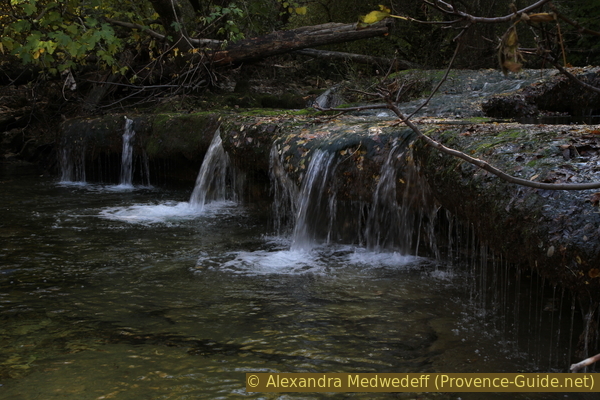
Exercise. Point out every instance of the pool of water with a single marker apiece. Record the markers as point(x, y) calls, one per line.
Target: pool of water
point(130, 293)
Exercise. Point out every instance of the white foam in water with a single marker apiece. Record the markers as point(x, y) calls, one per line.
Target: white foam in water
point(164, 212)
point(365, 257)
point(321, 260)
point(122, 187)
point(72, 183)
point(283, 262)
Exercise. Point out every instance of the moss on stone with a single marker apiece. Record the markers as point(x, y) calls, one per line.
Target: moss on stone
point(181, 133)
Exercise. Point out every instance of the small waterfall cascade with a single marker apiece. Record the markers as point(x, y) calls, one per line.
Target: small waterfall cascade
point(402, 211)
point(396, 218)
point(212, 180)
point(72, 164)
point(313, 204)
point(145, 161)
point(284, 192)
point(386, 221)
point(127, 155)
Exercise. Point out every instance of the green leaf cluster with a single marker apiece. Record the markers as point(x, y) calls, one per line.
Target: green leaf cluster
point(229, 21)
point(59, 34)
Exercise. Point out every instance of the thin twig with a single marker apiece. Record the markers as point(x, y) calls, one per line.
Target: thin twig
point(434, 91)
point(485, 20)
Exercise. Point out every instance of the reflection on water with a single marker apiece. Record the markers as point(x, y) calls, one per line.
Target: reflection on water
point(133, 295)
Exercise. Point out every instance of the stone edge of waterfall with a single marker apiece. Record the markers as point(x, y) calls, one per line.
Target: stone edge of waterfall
point(555, 233)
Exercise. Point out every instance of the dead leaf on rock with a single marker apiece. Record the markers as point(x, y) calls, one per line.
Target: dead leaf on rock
point(595, 199)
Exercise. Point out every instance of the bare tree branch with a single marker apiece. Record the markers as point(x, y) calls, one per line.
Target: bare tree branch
point(585, 363)
point(391, 105)
point(451, 10)
point(487, 167)
point(580, 28)
point(435, 90)
point(571, 77)
point(159, 36)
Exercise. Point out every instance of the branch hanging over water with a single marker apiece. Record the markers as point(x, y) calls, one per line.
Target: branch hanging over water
point(391, 104)
point(585, 363)
point(487, 167)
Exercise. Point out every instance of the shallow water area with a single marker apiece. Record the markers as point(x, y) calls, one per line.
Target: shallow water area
point(133, 294)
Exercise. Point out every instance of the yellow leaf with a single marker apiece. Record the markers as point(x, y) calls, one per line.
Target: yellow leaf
point(542, 17)
point(36, 54)
point(374, 16)
point(176, 51)
point(512, 39)
point(384, 9)
point(301, 10)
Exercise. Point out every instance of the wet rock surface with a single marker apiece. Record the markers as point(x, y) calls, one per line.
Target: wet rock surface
point(556, 233)
point(462, 94)
point(555, 93)
point(359, 147)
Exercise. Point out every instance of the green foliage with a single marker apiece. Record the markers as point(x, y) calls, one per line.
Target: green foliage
point(229, 18)
point(57, 35)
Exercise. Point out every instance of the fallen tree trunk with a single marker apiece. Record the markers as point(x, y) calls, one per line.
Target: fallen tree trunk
point(281, 42)
point(358, 58)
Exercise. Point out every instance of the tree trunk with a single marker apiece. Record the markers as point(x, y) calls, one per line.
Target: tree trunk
point(295, 39)
point(358, 58)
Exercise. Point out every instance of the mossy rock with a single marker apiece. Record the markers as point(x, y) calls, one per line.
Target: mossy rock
point(187, 135)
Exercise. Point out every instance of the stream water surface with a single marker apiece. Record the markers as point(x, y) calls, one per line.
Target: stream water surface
point(133, 293)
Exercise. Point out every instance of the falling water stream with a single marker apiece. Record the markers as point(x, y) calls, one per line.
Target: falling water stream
point(153, 294)
point(127, 155)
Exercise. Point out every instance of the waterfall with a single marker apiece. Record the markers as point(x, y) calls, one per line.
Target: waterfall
point(72, 164)
point(384, 221)
point(211, 183)
point(399, 216)
point(127, 156)
point(284, 191)
point(311, 209)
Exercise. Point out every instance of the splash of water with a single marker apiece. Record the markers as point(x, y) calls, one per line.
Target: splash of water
point(211, 183)
point(127, 156)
